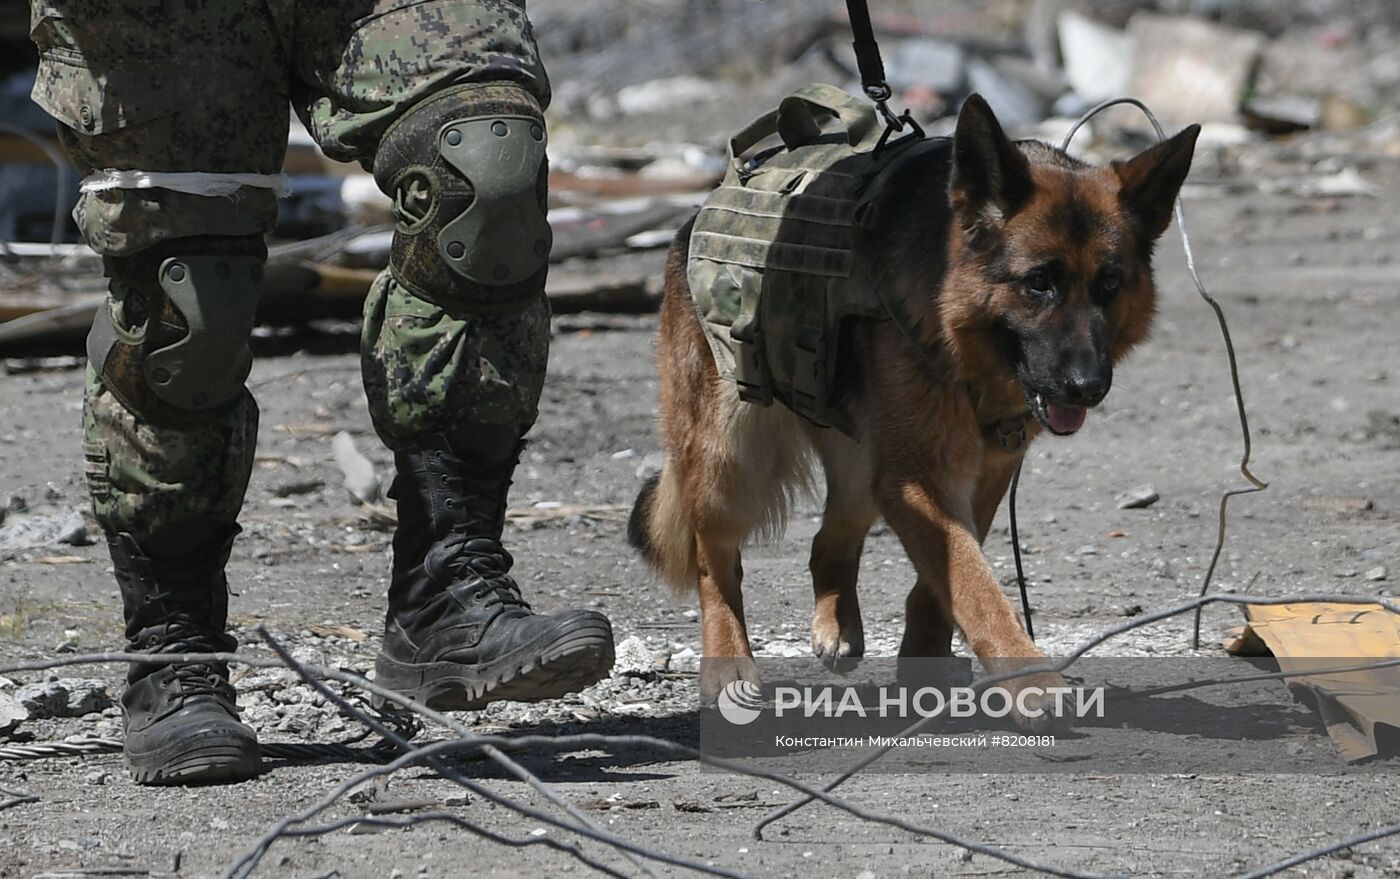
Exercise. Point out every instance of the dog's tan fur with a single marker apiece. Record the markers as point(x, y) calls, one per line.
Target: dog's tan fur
point(921, 460)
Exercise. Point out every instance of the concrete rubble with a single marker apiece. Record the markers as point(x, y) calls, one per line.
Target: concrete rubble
point(12, 713)
point(63, 697)
point(37, 531)
point(1137, 498)
point(1188, 70)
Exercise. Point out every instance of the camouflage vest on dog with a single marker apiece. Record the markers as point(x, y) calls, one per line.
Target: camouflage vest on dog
point(770, 264)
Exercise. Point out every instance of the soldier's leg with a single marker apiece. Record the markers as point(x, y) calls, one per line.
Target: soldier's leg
point(456, 338)
point(168, 427)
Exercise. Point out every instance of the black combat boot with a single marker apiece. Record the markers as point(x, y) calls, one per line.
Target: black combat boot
point(458, 634)
point(181, 720)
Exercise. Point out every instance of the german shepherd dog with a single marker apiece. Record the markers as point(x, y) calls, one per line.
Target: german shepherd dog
point(1032, 271)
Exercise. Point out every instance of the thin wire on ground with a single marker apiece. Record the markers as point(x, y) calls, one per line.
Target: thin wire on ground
point(1255, 483)
point(1063, 663)
point(431, 753)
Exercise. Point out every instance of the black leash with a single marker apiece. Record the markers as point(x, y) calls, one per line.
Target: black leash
point(1016, 551)
point(872, 71)
point(877, 89)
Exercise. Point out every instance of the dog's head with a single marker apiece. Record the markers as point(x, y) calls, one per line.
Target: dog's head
point(1050, 281)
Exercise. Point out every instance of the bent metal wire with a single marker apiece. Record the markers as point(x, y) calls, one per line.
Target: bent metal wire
point(1255, 484)
point(492, 746)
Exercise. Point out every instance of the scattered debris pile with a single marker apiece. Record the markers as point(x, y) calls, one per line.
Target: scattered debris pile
point(283, 708)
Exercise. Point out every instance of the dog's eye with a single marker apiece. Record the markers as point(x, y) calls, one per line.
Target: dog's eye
point(1040, 285)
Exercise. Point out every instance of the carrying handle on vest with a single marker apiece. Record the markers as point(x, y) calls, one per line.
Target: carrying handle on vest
point(796, 123)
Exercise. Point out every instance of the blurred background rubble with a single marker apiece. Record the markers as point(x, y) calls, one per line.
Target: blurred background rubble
point(1302, 97)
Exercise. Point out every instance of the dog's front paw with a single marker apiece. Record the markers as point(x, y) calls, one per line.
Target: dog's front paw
point(719, 672)
point(1041, 703)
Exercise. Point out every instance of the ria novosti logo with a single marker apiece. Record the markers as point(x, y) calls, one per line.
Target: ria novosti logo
point(740, 702)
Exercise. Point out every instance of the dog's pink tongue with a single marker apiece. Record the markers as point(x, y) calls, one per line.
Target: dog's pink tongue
point(1065, 419)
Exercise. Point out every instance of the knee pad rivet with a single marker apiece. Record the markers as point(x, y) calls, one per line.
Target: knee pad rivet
point(160, 376)
point(537, 132)
point(500, 129)
point(177, 273)
point(454, 137)
point(456, 250)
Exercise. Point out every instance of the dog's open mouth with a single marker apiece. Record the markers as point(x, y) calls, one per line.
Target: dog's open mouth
point(1061, 419)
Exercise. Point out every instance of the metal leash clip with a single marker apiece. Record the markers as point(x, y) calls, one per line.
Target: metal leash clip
point(880, 93)
point(872, 75)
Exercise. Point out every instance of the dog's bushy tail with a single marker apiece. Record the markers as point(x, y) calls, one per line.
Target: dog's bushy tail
point(661, 531)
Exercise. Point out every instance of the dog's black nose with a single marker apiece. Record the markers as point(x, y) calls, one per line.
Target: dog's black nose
point(1087, 383)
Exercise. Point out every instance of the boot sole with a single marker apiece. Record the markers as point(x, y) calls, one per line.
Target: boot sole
point(213, 761)
point(576, 658)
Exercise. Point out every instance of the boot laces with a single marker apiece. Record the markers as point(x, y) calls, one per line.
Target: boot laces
point(181, 634)
point(200, 680)
point(484, 564)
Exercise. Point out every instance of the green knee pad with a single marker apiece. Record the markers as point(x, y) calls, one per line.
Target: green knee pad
point(172, 341)
point(468, 174)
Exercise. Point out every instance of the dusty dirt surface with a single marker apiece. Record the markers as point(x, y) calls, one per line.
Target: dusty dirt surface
point(1310, 287)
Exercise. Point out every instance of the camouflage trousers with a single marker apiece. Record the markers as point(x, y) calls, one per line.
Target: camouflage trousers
point(204, 86)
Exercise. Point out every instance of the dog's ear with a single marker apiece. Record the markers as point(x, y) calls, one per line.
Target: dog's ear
point(991, 179)
point(1151, 180)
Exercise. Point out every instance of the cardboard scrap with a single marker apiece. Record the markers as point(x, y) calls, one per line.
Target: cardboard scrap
point(1242, 641)
point(1361, 709)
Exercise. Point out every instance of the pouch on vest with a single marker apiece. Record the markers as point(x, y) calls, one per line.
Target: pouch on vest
point(770, 265)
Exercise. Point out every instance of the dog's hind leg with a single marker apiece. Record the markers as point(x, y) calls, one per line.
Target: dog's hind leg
point(837, 630)
point(741, 470)
point(731, 469)
point(723, 631)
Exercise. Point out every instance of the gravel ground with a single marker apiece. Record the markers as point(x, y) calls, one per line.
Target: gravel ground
point(1310, 287)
